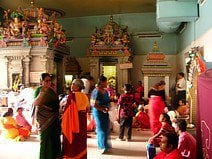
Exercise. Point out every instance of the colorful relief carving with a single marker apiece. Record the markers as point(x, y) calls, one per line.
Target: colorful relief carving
point(110, 40)
point(30, 26)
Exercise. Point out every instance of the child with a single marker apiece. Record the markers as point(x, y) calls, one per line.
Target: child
point(21, 120)
point(126, 112)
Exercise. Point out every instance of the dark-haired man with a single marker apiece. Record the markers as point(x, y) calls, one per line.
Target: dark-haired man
point(168, 146)
point(187, 143)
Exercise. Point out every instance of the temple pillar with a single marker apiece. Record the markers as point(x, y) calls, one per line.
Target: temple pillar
point(146, 84)
point(167, 85)
point(43, 59)
point(94, 67)
point(50, 61)
point(4, 69)
point(26, 73)
point(122, 74)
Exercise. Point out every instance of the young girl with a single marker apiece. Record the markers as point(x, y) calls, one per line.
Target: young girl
point(126, 112)
point(21, 120)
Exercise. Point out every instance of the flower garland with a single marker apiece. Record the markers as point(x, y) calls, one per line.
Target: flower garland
point(196, 63)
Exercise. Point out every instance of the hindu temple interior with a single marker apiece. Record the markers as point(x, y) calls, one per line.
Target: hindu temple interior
point(126, 41)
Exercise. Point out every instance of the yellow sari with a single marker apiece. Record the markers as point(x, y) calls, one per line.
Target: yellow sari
point(10, 130)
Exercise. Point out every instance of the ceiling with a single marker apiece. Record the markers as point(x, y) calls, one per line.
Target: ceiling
point(81, 8)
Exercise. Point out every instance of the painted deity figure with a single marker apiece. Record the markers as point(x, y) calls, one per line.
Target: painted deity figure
point(15, 27)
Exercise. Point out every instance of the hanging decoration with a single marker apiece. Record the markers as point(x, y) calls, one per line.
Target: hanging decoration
point(194, 63)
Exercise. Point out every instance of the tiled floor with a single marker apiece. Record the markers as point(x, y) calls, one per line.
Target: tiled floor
point(135, 149)
point(20, 150)
point(120, 149)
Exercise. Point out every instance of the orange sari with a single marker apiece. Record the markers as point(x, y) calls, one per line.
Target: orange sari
point(10, 130)
point(74, 132)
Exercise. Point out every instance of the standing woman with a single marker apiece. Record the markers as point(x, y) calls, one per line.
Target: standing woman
point(74, 123)
point(100, 103)
point(47, 116)
point(139, 93)
point(156, 105)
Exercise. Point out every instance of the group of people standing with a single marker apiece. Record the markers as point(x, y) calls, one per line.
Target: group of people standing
point(73, 123)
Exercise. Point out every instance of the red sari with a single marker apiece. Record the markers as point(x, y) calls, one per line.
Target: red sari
point(74, 143)
point(156, 108)
point(142, 120)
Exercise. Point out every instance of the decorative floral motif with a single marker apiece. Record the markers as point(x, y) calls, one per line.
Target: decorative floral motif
point(196, 63)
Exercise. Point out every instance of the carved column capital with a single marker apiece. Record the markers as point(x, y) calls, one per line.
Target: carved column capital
point(27, 58)
point(44, 58)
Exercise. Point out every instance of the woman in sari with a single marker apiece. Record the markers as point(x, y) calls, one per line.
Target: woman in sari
point(100, 103)
point(47, 116)
point(74, 123)
point(11, 129)
point(141, 119)
point(165, 128)
point(156, 105)
point(139, 93)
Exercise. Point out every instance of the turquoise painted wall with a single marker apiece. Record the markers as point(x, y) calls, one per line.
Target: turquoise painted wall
point(186, 37)
point(197, 28)
point(167, 44)
point(81, 29)
point(204, 23)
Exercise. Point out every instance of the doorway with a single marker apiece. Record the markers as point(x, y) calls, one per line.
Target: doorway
point(110, 73)
point(109, 69)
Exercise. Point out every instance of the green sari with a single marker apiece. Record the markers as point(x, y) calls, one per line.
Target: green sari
point(47, 116)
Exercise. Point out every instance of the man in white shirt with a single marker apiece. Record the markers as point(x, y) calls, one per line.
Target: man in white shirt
point(181, 87)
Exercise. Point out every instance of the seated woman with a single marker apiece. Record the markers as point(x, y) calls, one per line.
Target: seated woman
point(165, 128)
point(141, 119)
point(183, 108)
point(10, 128)
point(173, 114)
point(21, 120)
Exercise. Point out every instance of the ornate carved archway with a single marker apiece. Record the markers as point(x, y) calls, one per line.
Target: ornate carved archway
point(155, 67)
point(110, 45)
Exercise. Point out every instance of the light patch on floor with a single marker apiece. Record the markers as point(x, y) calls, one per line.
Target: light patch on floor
point(135, 149)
